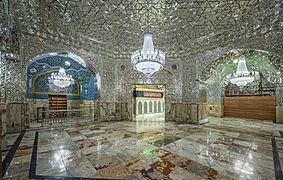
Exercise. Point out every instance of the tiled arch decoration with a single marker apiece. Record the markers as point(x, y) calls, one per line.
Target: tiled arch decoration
point(38, 69)
point(265, 63)
point(272, 74)
point(40, 81)
point(208, 70)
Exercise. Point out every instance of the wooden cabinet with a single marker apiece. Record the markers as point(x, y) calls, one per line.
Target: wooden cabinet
point(57, 102)
point(251, 107)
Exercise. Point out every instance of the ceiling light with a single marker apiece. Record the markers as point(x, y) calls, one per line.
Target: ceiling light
point(148, 60)
point(242, 76)
point(61, 79)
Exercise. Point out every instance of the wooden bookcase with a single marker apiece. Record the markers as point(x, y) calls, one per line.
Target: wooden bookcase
point(57, 102)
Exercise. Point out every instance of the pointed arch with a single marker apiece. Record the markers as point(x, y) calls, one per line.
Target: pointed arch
point(150, 106)
point(155, 106)
point(145, 107)
point(86, 77)
point(140, 107)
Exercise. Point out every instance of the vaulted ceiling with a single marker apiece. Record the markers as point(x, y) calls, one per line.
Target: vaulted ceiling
point(179, 27)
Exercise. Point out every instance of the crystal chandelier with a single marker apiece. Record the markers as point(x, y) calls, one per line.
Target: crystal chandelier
point(148, 60)
point(242, 76)
point(61, 79)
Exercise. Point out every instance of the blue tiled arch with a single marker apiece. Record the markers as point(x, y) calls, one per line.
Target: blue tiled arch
point(85, 88)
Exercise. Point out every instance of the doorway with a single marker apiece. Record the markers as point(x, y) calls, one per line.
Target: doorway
point(149, 102)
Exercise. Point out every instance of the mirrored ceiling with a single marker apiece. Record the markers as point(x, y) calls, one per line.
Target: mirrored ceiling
point(179, 27)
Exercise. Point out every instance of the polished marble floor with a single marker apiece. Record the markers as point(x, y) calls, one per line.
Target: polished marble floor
point(222, 149)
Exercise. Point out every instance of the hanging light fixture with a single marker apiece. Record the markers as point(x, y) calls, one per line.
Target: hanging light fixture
point(242, 77)
point(61, 79)
point(148, 60)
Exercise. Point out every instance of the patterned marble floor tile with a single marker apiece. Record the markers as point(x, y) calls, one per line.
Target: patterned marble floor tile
point(236, 155)
point(243, 143)
point(11, 138)
point(227, 173)
point(231, 161)
point(212, 152)
point(255, 171)
point(150, 173)
point(195, 137)
point(219, 145)
point(199, 169)
point(226, 148)
point(175, 159)
point(80, 168)
point(78, 137)
point(135, 165)
point(239, 149)
point(50, 163)
point(86, 132)
point(19, 165)
point(164, 141)
point(113, 172)
point(164, 166)
point(181, 174)
point(17, 171)
point(182, 134)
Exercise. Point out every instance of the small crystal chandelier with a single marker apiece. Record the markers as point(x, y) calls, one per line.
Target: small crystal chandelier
point(242, 77)
point(148, 60)
point(61, 79)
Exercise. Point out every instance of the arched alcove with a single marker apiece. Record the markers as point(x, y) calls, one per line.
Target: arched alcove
point(159, 106)
point(140, 107)
point(214, 75)
point(39, 69)
point(150, 107)
point(256, 60)
point(155, 106)
point(145, 107)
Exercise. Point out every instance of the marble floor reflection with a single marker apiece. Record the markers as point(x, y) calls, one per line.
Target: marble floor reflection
point(222, 149)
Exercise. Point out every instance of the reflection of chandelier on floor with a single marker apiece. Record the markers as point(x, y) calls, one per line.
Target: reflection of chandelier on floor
point(242, 77)
point(148, 60)
point(61, 78)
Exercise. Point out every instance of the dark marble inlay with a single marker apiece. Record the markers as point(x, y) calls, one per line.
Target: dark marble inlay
point(6, 162)
point(32, 171)
point(277, 166)
point(164, 141)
